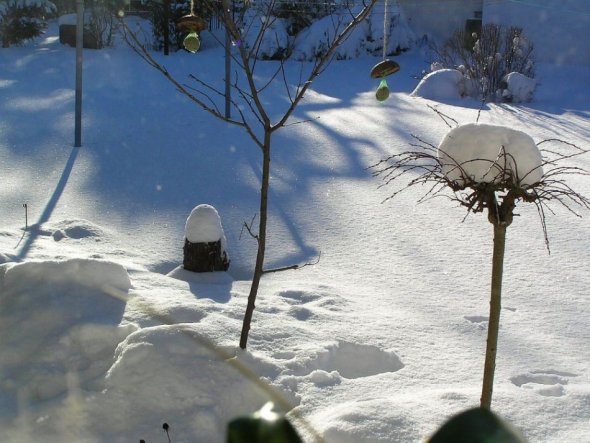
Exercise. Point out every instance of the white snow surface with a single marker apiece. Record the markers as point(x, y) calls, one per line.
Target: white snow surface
point(104, 338)
point(204, 225)
point(483, 153)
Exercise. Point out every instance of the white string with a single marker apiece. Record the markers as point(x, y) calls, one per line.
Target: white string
point(385, 28)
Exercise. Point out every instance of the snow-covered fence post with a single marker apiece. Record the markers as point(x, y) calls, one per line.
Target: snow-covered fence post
point(204, 243)
point(490, 168)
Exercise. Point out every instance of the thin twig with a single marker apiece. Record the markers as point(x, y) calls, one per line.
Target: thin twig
point(292, 267)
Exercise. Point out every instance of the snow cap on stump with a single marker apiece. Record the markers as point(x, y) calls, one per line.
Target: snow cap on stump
point(203, 225)
point(482, 153)
point(205, 241)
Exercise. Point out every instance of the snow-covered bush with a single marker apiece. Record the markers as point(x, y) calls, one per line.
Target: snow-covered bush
point(479, 153)
point(266, 35)
point(444, 84)
point(496, 52)
point(22, 20)
point(399, 36)
point(101, 25)
point(313, 41)
point(518, 88)
point(299, 15)
point(367, 38)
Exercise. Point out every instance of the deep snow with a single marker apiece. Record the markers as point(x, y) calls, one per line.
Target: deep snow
point(104, 338)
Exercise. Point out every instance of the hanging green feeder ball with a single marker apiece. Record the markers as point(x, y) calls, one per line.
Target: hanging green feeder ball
point(191, 42)
point(382, 91)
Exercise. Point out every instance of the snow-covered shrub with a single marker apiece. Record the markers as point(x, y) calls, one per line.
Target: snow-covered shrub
point(496, 52)
point(22, 20)
point(101, 25)
point(64, 6)
point(265, 35)
point(299, 15)
point(477, 153)
point(518, 88)
point(399, 34)
point(444, 84)
point(312, 42)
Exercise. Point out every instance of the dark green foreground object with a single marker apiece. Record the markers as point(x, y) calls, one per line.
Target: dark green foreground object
point(477, 425)
point(264, 426)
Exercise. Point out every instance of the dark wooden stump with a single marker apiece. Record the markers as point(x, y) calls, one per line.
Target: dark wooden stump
point(204, 257)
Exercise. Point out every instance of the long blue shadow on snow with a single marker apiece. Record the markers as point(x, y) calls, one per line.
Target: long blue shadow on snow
point(34, 230)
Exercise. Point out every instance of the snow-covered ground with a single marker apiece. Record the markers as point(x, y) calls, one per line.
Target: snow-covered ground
point(103, 338)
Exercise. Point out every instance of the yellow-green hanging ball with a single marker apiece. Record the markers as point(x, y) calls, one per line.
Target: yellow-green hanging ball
point(191, 42)
point(382, 91)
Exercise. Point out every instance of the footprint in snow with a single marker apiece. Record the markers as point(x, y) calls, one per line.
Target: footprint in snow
point(546, 383)
point(349, 360)
point(312, 299)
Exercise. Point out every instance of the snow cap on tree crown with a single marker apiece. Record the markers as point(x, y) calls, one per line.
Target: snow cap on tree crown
point(481, 153)
point(203, 225)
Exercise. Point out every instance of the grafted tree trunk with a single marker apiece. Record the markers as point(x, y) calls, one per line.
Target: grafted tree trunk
point(500, 215)
point(494, 320)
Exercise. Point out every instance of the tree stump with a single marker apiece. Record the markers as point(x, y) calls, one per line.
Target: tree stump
point(204, 241)
point(204, 256)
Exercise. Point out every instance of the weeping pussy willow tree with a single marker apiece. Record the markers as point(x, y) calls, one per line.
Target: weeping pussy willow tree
point(249, 30)
point(491, 169)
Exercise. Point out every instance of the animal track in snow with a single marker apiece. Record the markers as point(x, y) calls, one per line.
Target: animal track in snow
point(351, 360)
point(476, 318)
point(547, 383)
point(301, 313)
point(305, 303)
point(298, 297)
point(478, 321)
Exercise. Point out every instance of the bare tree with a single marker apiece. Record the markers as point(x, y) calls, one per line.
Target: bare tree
point(498, 195)
point(251, 112)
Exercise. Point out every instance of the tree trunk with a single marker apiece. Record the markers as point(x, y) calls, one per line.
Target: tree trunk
point(166, 29)
point(495, 306)
point(259, 268)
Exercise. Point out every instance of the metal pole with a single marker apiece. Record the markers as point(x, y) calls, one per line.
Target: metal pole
point(227, 73)
point(79, 45)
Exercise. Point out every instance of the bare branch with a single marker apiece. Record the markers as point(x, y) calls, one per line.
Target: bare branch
point(142, 51)
point(444, 117)
point(504, 183)
point(292, 267)
point(324, 60)
point(248, 228)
